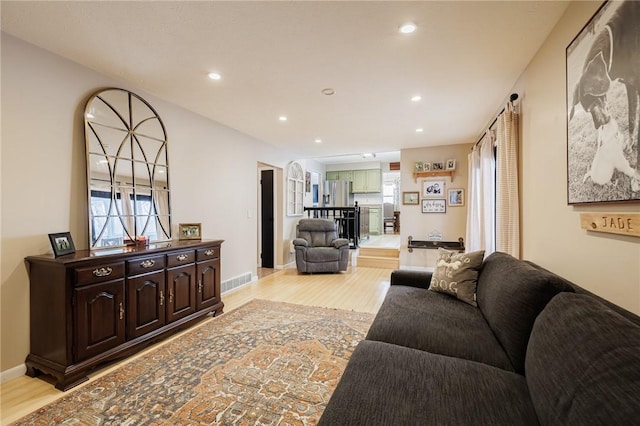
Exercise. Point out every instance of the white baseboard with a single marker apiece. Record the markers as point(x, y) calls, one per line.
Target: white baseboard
point(12, 373)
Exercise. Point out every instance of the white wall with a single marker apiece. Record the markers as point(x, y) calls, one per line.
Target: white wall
point(603, 263)
point(213, 175)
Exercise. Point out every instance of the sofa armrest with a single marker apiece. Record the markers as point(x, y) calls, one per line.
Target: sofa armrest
point(300, 242)
point(340, 242)
point(411, 278)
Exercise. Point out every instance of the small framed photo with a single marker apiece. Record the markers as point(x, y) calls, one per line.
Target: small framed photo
point(437, 166)
point(434, 206)
point(432, 188)
point(456, 197)
point(411, 198)
point(426, 166)
point(451, 164)
point(62, 243)
point(190, 231)
point(418, 167)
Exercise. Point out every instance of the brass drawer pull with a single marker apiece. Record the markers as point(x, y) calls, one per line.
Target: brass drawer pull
point(199, 286)
point(170, 296)
point(210, 252)
point(121, 311)
point(147, 263)
point(161, 298)
point(102, 272)
point(182, 257)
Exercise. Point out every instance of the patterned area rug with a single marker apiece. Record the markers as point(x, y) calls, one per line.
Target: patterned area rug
point(265, 363)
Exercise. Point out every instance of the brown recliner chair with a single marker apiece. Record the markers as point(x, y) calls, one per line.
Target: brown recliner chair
point(318, 248)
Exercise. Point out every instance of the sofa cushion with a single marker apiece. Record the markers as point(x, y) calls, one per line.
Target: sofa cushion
point(437, 323)
point(511, 294)
point(583, 364)
point(386, 384)
point(456, 274)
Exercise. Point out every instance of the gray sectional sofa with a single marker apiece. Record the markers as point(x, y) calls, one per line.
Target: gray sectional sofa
point(537, 349)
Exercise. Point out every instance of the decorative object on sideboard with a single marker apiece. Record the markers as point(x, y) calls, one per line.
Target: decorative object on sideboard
point(456, 197)
point(435, 205)
point(127, 170)
point(62, 243)
point(603, 131)
point(190, 231)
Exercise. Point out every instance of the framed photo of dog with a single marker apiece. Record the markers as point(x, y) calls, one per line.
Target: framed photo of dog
point(603, 129)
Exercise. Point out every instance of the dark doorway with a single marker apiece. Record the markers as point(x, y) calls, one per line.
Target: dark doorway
point(266, 224)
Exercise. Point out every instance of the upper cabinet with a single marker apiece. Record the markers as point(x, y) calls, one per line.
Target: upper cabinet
point(340, 175)
point(367, 180)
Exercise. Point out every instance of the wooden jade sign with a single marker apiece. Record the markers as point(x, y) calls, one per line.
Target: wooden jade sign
point(612, 223)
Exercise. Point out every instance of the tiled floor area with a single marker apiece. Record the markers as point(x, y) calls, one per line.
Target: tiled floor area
point(383, 241)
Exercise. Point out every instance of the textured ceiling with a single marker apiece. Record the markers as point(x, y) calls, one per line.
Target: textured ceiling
point(276, 57)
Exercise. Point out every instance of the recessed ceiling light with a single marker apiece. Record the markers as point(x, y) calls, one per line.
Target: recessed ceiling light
point(282, 118)
point(368, 155)
point(328, 91)
point(318, 140)
point(416, 98)
point(214, 76)
point(419, 130)
point(408, 28)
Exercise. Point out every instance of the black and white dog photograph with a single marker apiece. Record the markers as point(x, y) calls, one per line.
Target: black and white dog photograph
point(603, 93)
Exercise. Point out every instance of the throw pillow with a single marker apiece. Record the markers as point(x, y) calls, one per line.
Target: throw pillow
point(457, 274)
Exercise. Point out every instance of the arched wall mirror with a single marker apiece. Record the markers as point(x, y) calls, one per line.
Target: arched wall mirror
point(127, 170)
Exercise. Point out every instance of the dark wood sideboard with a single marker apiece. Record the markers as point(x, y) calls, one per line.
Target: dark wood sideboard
point(95, 306)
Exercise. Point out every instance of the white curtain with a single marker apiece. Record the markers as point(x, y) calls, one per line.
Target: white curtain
point(481, 206)
point(507, 201)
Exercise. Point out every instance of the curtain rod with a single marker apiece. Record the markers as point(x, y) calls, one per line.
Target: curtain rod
point(512, 98)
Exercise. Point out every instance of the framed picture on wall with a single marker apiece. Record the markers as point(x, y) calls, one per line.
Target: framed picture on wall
point(603, 133)
point(437, 166)
point(451, 164)
point(426, 166)
point(411, 198)
point(432, 188)
point(456, 197)
point(434, 205)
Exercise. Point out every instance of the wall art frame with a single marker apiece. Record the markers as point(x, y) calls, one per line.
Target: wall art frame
point(433, 188)
point(411, 198)
point(434, 205)
point(603, 147)
point(62, 243)
point(455, 197)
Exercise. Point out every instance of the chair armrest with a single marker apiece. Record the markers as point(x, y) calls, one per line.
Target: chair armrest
point(300, 242)
point(411, 278)
point(340, 242)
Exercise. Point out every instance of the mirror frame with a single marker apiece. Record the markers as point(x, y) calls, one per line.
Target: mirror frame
point(129, 164)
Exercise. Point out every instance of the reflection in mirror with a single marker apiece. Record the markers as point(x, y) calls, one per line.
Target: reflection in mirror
point(127, 170)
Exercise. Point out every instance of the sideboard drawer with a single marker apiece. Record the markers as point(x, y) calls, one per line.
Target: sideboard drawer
point(181, 258)
point(99, 273)
point(142, 265)
point(208, 253)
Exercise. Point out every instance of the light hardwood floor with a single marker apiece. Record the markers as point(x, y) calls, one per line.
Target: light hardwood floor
point(360, 289)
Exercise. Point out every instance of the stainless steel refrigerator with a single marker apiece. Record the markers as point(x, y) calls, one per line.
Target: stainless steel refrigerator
point(337, 193)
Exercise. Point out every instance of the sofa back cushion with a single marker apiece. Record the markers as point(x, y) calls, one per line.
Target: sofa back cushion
point(583, 364)
point(511, 294)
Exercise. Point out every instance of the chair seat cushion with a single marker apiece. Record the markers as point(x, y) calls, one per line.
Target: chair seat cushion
point(322, 254)
point(385, 384)
point(437, 323)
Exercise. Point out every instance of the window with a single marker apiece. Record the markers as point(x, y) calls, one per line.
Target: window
point(295, 190)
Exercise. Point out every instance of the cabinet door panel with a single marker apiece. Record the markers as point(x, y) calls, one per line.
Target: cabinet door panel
point(100, 318)
point(208, 283)
point(181, 289)
point(145, 303)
